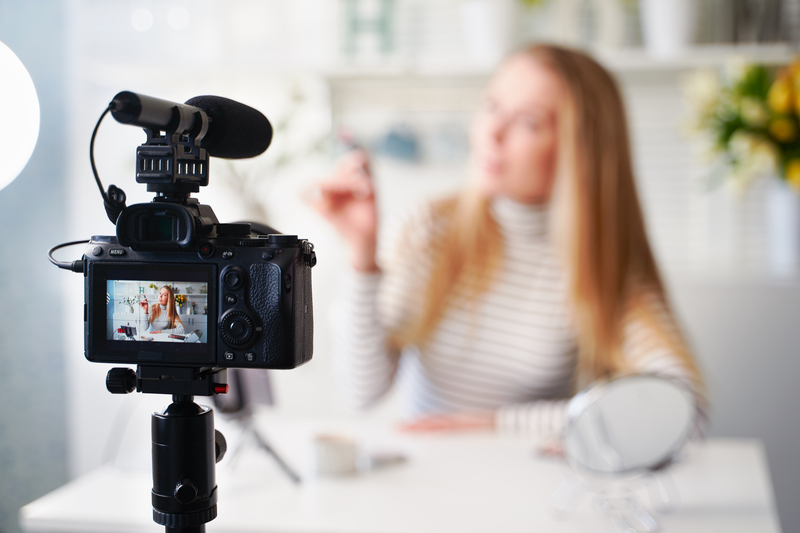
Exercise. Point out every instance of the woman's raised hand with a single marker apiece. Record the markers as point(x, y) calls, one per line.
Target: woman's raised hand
point(144, 305)
point(347, 200)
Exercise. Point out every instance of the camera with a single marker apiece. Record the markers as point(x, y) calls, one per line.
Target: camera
point(175, 287)
point(185, 297)
point(246, 299)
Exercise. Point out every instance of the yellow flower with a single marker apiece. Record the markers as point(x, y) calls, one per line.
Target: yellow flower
point(783, 129)
point(794, 73)
point(793, 173)
point(780, 95)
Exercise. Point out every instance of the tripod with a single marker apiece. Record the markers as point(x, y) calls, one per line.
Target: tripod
point(249, 388)
point(251, 433)
point(186, 447)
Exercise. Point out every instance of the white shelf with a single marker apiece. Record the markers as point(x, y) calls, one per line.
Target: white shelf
point(700, 56)
point(620, 60)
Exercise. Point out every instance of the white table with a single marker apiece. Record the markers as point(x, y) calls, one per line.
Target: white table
point(459, 483)
point(157, 337)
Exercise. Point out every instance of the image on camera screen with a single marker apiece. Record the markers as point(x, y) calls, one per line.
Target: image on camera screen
point(156, 310)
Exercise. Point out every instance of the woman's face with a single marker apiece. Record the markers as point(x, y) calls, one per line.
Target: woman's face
point(514, 136)
point(163, 296)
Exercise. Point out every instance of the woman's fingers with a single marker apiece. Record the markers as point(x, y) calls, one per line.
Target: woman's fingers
point(453, 422)
point(356, 162)
point(358, 188)
point(336, 193)
point(347, 200)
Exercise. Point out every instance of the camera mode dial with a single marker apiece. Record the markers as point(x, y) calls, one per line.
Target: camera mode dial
point(237, 328)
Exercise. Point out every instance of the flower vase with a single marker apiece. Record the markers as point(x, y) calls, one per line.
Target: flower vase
point(783, 227)
point(667, 26)
point(488, 27)
point(130, 309)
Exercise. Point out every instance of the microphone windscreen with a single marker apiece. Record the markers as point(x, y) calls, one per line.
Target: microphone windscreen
point(237, 131)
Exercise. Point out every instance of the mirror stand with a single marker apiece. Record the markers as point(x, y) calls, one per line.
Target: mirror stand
point(619, 500)
point(621, 436)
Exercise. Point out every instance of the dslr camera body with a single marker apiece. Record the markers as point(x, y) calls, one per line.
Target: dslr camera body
point(256, 306)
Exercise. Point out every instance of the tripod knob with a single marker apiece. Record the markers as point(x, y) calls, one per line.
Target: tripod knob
point(220, 445)
point(121, 381)
point(185, 492)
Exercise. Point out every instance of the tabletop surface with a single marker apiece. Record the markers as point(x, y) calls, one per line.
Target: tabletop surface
point(466, 483)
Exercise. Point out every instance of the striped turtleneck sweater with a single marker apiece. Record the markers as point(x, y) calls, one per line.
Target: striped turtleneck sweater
point(513, 351)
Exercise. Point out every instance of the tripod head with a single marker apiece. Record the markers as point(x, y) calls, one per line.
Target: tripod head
point(186, 447)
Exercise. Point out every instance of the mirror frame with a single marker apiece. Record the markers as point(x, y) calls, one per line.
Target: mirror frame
point(594, 393)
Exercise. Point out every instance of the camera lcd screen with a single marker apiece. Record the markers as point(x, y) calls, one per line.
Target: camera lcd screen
point(163, 312)
point(156, 310)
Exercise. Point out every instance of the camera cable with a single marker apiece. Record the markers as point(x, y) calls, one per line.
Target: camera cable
point(75, 266)
point(114, 199)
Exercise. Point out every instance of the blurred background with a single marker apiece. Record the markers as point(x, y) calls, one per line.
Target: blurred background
point(713, 137)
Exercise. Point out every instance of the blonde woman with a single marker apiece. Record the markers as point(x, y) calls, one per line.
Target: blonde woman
point(163, 317)
point(500, 302)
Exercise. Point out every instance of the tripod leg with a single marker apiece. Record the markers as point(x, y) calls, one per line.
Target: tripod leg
point(285, 467)
point(234, 453)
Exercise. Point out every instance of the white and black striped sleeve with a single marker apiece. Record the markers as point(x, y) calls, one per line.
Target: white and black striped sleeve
point(363, 362)
point(540, 420)
point(645, 352)
point(374, 305)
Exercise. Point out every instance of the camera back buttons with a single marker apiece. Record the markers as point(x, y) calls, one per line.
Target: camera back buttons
point(233, 280)
point(205, 250)
point(237, 328)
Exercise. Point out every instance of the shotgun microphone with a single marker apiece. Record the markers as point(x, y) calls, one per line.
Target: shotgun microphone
point(224, 127)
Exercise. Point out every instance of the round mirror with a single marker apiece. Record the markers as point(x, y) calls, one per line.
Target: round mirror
point(628, 424)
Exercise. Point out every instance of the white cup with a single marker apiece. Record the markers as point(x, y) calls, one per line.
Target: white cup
point(335, 455)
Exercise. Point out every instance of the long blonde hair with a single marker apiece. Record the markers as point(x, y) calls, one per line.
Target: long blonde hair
point(597, 224)
point(172, 314)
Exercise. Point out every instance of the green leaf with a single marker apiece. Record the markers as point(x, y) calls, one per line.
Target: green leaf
point(755, 82)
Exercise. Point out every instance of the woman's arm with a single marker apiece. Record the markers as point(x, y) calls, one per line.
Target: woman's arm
point(540, 420)
point(374, 305)
point(364, 364)
point(177, 330)
point(144, 324)
point(647, 350)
